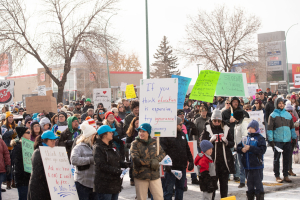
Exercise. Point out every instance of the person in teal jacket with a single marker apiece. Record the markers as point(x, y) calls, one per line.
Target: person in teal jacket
point(280, 132)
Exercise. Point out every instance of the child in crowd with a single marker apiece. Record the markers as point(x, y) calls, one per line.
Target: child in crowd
point(253, 148)
point(208, 181)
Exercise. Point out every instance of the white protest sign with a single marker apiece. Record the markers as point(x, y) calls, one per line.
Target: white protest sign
point(41, 90)
point(58, 173)
point(166, 161)
point(278, 149)
point(259, 117)
point(158, 105)
point(177, 174)
point(123, 86)
point(102, 95)
point(297, 79)
point(252, 89)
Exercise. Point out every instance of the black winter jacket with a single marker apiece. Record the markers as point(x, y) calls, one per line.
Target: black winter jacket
point(38, 186)
point(66, 135)
point(268, 110)
point(85, 108)
point(178, 149)
point(21, 177)
point(107, 168)
point(127, 121)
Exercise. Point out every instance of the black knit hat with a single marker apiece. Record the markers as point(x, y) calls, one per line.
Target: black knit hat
point(20, 131)
point(180, 112)
point(34, 122)
point(63, 113)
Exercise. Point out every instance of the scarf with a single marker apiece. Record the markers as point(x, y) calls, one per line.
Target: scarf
point(65, 123)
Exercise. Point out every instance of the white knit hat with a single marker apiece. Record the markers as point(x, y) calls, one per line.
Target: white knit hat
point(87, 129)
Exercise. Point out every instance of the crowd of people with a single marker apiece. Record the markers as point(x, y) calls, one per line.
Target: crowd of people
point(101, 142)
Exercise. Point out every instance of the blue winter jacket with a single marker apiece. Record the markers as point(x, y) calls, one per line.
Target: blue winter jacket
point(280, 126)
point(254, 158)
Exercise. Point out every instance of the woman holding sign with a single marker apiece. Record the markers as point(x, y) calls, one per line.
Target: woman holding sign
point(21, 177)
point(38, 186)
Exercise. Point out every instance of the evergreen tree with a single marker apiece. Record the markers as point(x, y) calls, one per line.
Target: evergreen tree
point(165, 64)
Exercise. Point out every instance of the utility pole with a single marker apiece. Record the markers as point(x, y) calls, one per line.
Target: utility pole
point(147, 41)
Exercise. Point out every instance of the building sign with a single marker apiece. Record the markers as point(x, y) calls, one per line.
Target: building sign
point(296, 75)
point(274, 63)
point(42, 77)
point(273, 53)
point(5, 64)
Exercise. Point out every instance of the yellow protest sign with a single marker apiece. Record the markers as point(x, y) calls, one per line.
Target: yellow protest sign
point(130, 92)
point(229, 198)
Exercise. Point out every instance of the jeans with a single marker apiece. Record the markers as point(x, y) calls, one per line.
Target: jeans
point(170, 181)
point(254, 181)
point(242, 170)
point(107, 196)
point(2, 178)
point(22, 191)
point(286, 147)
point(85, 193)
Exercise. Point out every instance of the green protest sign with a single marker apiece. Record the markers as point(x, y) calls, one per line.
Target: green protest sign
point(27, 151)
point(205, 86)
point(232, 84)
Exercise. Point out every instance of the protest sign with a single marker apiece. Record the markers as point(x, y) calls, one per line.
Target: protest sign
point(166, 161)
point(102, 95)
point(158, 105)
point(6, 92)
point(232, 85)
point(37, 104)
point(58, 173)
point(205, 86)
point(177, 174)
point(41, 90)
point(130, 92)
point(123, 86)
point(252, 89)
point(27, 151)
point(259, 117)
point(183, 85)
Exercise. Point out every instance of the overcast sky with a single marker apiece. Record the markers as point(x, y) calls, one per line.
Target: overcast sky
point(169, 18)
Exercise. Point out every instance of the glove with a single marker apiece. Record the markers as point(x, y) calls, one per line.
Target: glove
point(294, 142)
point(296, 124)
point(7, 169)
point(225, 140)
point(92, 160)
point(191, 166)
point(213, 138)
point(68, 142)
point(167, 168)
point(272, 144)
point(154, 164)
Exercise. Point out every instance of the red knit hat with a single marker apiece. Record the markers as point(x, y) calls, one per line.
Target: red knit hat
point(293, 96)
point(108, 113)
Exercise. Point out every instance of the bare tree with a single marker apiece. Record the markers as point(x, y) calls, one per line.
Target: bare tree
point(124, 62)
point(221, 38)
point(56, 33)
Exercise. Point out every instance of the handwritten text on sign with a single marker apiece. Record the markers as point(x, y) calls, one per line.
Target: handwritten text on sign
point(102, 95)
point(183, 85)
point(58, 172)
point(232, 84)
point(158, 105)
point(27, 151)
point(205, 86)
point(130, 92)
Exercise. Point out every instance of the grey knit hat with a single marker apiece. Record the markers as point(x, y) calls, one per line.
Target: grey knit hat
point(216, 115)
point(44, 121)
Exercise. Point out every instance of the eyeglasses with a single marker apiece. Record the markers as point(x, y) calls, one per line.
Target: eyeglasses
point(179, 124)
point(29, 122)
point(227, 103)
point(248, 109)
point(37, 125)
point(217, 121)
point(111, 116)
point(100, 113)
point(27, 132)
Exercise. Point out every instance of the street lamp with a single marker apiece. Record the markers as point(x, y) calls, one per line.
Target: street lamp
point(147, 41)
point(287, 66)
point(198, 68)
point(106, 50)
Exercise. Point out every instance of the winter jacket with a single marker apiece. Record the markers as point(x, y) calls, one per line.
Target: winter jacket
point(127, 110)
point(129, 140)
point(4, 156)
point(281, 126)
point(122, 115)
point(84, 116)
point(207, 178)
point(254, 158)
point(187, 111)
point(86, 107)
point(77, 111)
point(21, 177)
point(221, 104)
point(241, 130)
point(178, 150)
point(7, 136)
point(221, 154)
point(38, 185)
point(269, 108)
point(191, 128)
point(193, 115)
point(142, 153)
point(107, 168)
point(66, 140)
point(127, 121)
point(82, 155)
point(200, 124)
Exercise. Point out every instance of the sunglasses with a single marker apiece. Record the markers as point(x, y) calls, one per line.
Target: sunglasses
point(27, 132)
point(248, 109)
point(29, 122)
point(227, 103)
point(100, 113)
point(121, 107)
point(180, 124)
point(216, 121)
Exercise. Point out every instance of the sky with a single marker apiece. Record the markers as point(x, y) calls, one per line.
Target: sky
point(169, 18)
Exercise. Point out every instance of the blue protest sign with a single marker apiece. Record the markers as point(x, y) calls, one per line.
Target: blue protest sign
point(183, 85)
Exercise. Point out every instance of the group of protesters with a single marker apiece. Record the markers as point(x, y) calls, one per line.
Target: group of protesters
point(98, 142)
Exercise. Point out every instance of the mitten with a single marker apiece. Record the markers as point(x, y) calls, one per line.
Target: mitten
point(213, 138)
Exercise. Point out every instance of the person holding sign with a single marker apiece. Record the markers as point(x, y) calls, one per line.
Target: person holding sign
point(146, 164)
point(21, 177)
point(38, 185)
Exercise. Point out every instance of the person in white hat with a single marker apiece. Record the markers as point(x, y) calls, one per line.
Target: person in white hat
point(83, 160)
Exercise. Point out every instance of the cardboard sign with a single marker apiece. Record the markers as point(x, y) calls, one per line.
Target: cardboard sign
point(130, 92)
point(102, 95)
point(205, 86)
point(6, 92)
point(252, 89)
point(183, 85)
point(123, 86)
point(232, 85)
point(58, 173)
point(41, 90)
point(259, 117)
point(39, 103)
point(27, 151)
point(158, 105)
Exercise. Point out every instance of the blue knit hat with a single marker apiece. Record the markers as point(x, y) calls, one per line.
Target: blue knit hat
point(145, 127)
point(205, 145)
point(254, 124)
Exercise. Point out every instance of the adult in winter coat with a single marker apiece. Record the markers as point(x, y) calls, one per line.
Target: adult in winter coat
point(45, 124)
point(219, 135)
point(270, 107)
point(83, 160)
point(280, 132)
point(68, 136)
point(77, 109)
point(121, 110)
point(35, 129)
point(221, 103)
point(88, 104)
point(194, 114)
point(38, 186)
point(200, 124)
point(146, 164)
point(179, 151)
point(62, 121)
point(89, 113)
point(107, 182)
point(21, 177)
point(5, 164)
point(135, 113)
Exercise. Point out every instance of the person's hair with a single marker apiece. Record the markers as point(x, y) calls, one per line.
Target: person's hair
point(53, 119)
point(96, 136)
point(98, 116)
point(296, 102)
point(113, 105)
point(202, 108)
point(106, 122)
point(6, 123)
point(38, 142)
point(33, 133)
point(84, 139)
point(61, 104)
point(134, 104)
point(90, 109)
point(247, 106)
point(77, 115)
point(185, 104)
point(6, 108)
point(94, 115)
point(131, 128)
point(119, 106)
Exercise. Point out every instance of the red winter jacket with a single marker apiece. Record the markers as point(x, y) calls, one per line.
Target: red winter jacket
point(4, 155)
point(203, 162)
point(294, 120)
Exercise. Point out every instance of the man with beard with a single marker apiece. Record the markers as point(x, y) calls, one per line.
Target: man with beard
point(221, 103)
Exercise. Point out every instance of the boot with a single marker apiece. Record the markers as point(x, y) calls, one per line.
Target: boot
point(195, 181)
point(250, 196)
point(260, 196)
point(8, 187)
point(279, 180)
point(241, 185)
point(13, 185)
point(286, 179)
point(291, 173)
